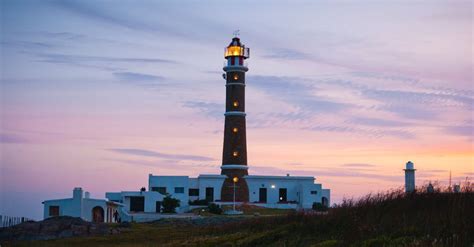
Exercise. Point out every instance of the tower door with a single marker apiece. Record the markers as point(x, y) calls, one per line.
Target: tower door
point(210, 194)
point(282, 195)
point(262, 195)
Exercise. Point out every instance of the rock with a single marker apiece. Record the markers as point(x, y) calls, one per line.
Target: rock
point(55, 227)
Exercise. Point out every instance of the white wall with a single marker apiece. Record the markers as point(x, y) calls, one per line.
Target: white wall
point(171, 182)
point(214, 181)
point(298, 189)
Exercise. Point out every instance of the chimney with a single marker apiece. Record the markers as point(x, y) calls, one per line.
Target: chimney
point(87, 195)
point(77, 193)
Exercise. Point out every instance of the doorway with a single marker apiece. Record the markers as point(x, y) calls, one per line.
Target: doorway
point(282, 195)
point(210, 194)
point(262, 195)
point(158, 206)
point(98, 214)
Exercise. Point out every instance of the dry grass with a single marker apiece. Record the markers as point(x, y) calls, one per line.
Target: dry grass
point(386, 219)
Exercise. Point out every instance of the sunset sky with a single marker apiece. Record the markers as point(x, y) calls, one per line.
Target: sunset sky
point(99, 94)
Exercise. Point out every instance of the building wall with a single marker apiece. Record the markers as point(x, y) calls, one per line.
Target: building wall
point(327, 193)
point(171, 182)
point(89, 204)
point(214, 181)
point(298, 189)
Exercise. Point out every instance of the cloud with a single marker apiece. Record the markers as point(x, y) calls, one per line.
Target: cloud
point(61, 35)
point(377, 122)
point(98, 62)
point(130, 76)
point(357, 165)
point(460, 130)
point(287, 54)
point(104, 15)
point(64, 58)
point(8, 138)
point(333, 172)
point(298, 93)
point(211, 109)
point(35, 45)
point(148, 153)
point(376, 133)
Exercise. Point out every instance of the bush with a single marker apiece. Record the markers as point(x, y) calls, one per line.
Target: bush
point(170, 204)
point(317, 206)
point(214, 209)
point(199, 203)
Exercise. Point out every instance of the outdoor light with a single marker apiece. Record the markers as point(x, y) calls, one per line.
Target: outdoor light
point(235, 153)
point(236, 77)
point(235, 179)
point(235, 130)
point(236, 104)
point(273, 186)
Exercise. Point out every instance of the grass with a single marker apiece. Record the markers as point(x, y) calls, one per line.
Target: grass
point(386, 219)
point(248, 210)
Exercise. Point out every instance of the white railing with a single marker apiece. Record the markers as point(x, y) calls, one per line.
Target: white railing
point(7, 221)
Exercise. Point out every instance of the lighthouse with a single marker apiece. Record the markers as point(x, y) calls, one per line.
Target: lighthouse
point(409, 177)
point(234, 156)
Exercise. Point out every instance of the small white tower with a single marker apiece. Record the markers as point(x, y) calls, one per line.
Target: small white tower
point(409, 177)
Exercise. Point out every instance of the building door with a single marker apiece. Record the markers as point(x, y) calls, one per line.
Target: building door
point(282, 195)
point(210, 194)
point(137, 203)
point(158, 206)
point(262, 195)
point(97, 214)
point(325, 201)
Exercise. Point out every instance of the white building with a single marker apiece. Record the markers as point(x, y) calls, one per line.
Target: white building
point(89, 209)
point(285, 192)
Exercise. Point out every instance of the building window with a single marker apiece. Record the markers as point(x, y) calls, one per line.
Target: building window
point(236, 77)
point(193, 192)
point(179, 190)
point(314, 192)
point(235, 104)
point(235, 153)
point(161, 190)
point(53, 210)
point(235, 130)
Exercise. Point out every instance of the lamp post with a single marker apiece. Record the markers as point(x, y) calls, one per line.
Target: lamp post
point(235, 180)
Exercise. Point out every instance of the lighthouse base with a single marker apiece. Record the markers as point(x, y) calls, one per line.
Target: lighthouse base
point(241, 190)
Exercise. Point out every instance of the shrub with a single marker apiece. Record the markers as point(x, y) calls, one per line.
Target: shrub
point(214, 208)
point(317, 206)
point(199, 203)
point(170, 204)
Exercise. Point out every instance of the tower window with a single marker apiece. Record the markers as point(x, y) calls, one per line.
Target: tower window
point(236, 103)
point(235, 153)
point(235, 130)
point(236, 77)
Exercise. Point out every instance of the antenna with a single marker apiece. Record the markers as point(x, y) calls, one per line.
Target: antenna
point(449, 180)
point(236, 33)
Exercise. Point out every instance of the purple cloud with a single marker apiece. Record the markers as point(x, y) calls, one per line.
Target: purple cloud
point(148, 153)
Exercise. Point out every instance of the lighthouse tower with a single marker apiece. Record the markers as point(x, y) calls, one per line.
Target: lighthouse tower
point(409, 177)
point(234, 157)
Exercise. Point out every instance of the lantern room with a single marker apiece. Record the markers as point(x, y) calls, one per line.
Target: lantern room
point(236, 49)
point(236, 53)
